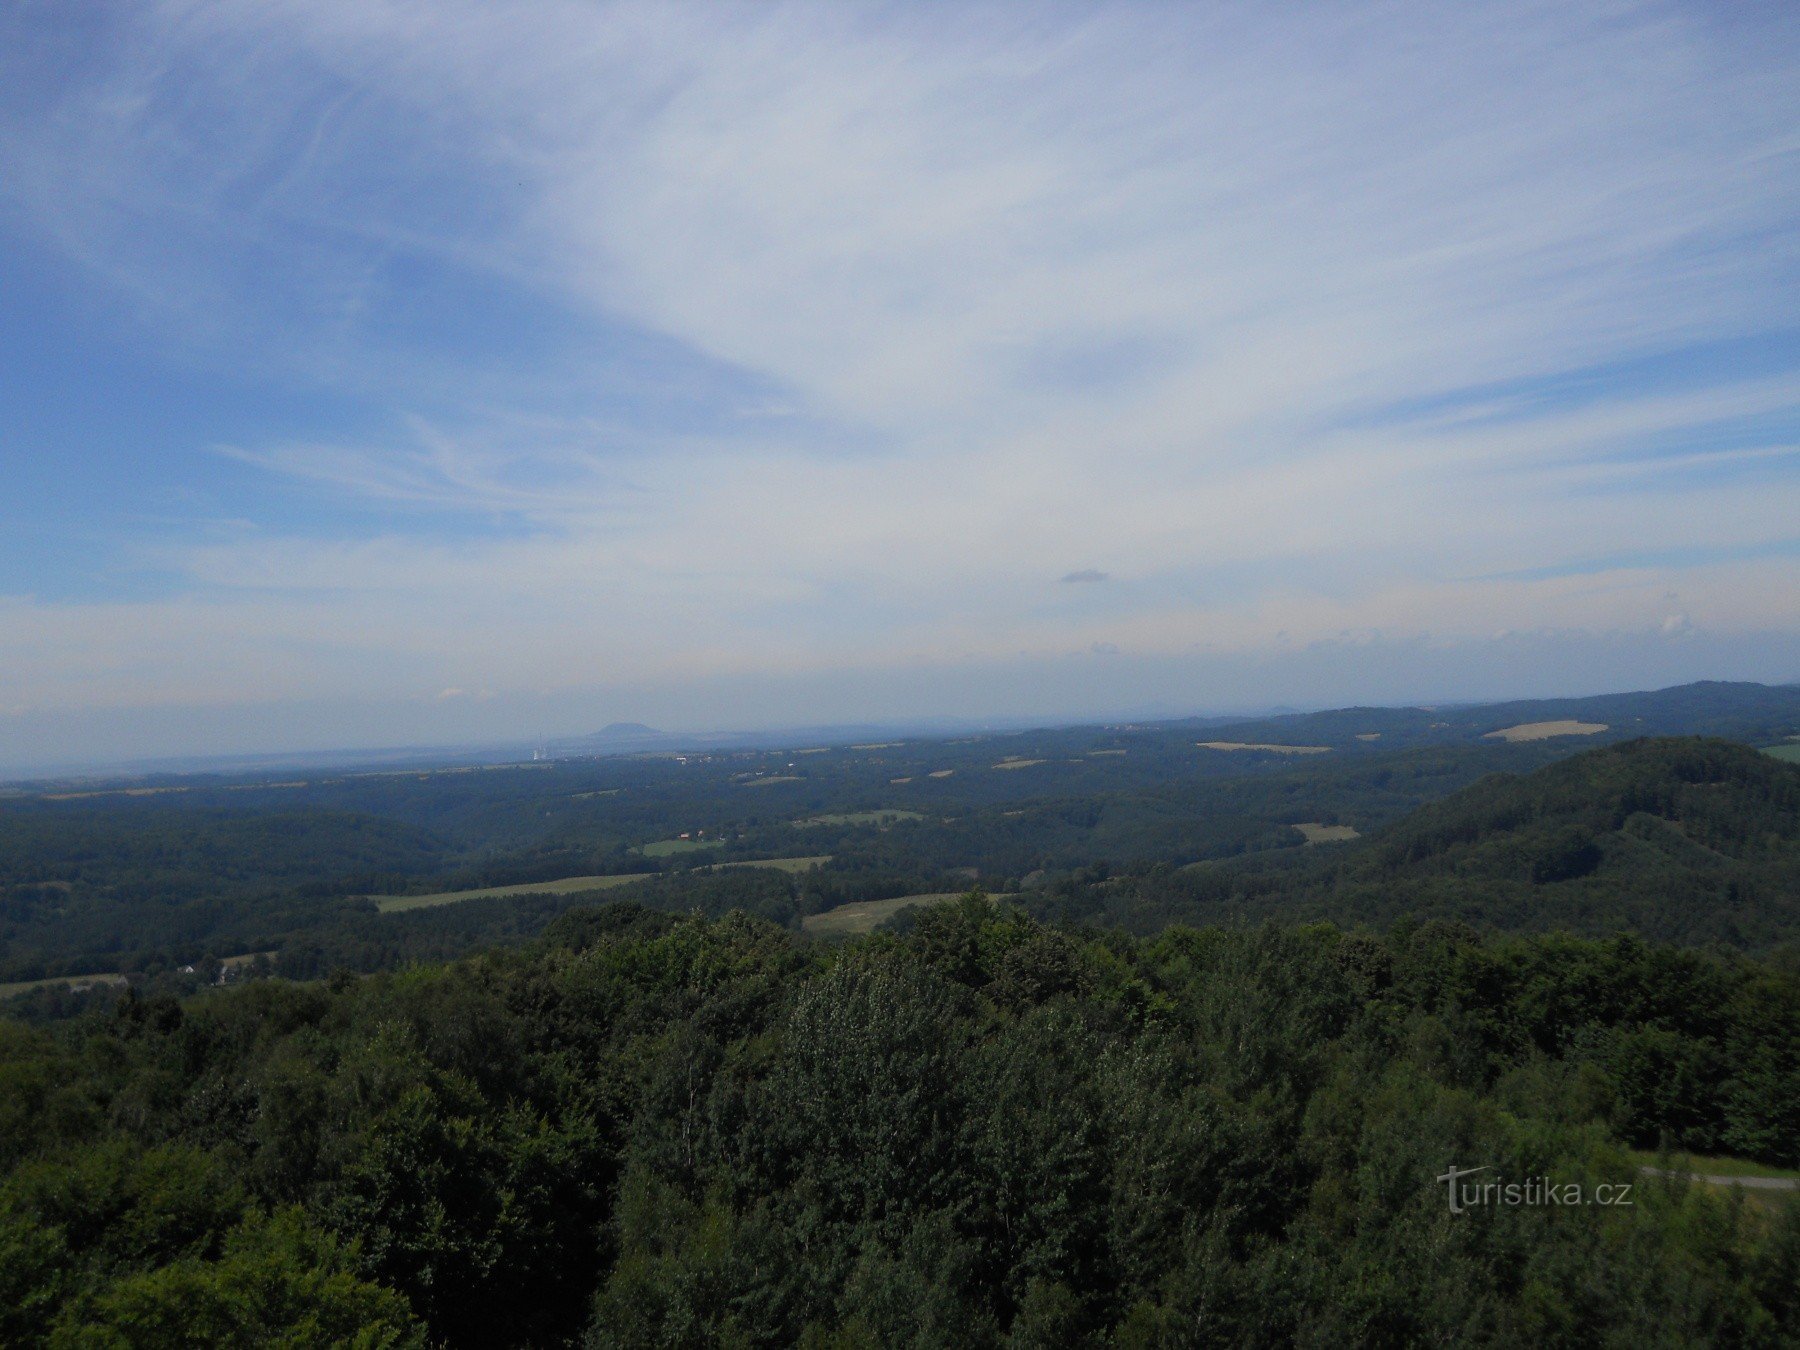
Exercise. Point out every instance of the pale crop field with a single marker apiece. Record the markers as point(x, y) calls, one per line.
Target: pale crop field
point(1275, 749)
point(394, 904)
point(1316, 833)
point(1543, 731)
point(865, 916)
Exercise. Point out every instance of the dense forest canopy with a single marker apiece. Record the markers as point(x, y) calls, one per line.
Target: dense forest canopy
point(646, 1129)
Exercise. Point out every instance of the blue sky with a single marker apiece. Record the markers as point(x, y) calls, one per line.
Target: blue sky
point(385, 373)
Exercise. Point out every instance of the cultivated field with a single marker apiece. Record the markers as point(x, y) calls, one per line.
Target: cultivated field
point(1543, 731)
point(1014, 764)
point(865, 915)
point(1316, 833)
point(1276, 749)
point(775, 778)
point(394, 904)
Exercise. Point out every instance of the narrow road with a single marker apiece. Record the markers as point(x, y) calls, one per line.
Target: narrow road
point(1753, 1183)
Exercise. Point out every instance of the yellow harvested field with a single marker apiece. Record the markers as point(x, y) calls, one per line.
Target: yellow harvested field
point(1276, 749)
point(772, 779)
point(394, 904)
point(1327, 834)
point(1543, 731)
point(1015, 764)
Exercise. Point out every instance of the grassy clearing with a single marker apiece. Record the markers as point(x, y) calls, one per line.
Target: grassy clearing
point(1791, 753)
point(1701, 1165)
point(864, 916)
point(779, 864)
point(112, 977)
point(861, 818)
point(668, 848)
point(1315, 833)
point(395, 904)
point(26, 986)
point(1543, 731)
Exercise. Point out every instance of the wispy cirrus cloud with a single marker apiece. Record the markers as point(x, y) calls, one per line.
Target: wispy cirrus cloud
point(813, 338)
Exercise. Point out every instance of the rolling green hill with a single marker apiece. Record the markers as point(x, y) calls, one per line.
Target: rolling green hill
point(1683, 839)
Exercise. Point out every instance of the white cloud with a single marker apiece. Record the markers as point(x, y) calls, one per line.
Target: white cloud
point(1007, 285)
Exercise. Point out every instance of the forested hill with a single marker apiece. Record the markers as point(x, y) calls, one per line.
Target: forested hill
point(1683, 839)
point(1630, 809)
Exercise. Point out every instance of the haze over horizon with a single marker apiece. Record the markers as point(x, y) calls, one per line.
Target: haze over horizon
point(378, 375)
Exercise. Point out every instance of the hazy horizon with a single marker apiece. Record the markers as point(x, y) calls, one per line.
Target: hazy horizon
point(191, 756)
point(385, 376)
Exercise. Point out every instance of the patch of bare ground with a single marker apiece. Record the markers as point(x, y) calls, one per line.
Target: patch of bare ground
point(1543, 731)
